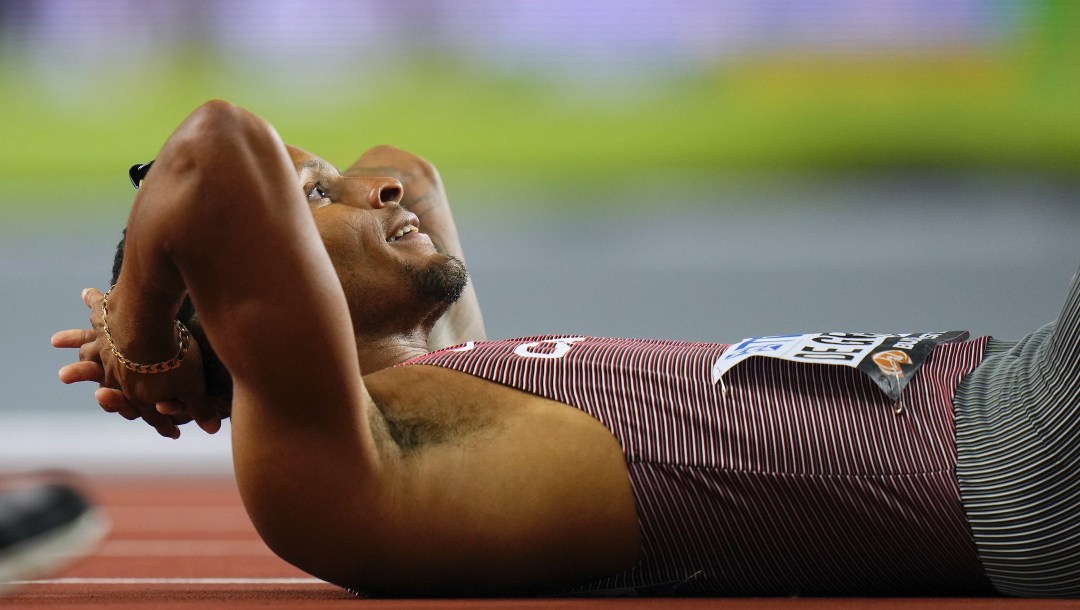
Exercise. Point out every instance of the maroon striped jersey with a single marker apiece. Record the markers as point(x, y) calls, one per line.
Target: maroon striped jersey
point(788, 478)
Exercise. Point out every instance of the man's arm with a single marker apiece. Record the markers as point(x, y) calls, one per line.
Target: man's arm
point(222, 217)
point(425, 196)
point(519, 491)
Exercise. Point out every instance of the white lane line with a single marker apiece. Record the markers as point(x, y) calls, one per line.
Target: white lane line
point(181, 548)
point(172, 581)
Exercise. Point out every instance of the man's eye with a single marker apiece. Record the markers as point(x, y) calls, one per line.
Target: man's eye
point(316, 193)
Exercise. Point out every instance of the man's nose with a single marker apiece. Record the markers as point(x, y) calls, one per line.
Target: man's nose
point(381, 191)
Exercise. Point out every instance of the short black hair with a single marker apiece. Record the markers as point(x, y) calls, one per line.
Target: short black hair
point(218, 380)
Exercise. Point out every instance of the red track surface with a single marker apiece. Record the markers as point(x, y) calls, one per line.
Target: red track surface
point(197, 529)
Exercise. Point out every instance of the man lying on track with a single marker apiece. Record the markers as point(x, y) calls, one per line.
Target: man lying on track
point(927, 466)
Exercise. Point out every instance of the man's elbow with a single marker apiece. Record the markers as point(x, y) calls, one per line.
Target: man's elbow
point(218, 130)
point(219, 149)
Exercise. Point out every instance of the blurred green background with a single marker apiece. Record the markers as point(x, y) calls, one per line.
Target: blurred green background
point(572, 98)
point(681, 169)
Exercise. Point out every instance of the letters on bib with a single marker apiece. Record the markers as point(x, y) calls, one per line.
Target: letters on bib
point(888, 359)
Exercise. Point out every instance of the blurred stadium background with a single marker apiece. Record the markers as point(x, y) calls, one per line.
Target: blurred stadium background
point(687, 169)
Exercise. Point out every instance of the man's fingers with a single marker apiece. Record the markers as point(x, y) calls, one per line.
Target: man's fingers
point(176, 411)
point(128, 408)
point(114, 401)
point(91, 296)
point(74, 337)
point(89, 352)
point(170, 407)
point(203, 412)
point(210, 426)
point(82, 371)
point(162, 423)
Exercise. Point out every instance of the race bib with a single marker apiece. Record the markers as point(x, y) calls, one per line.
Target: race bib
point(889, 360)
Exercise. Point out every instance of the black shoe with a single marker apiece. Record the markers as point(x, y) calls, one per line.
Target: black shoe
point(44, 527)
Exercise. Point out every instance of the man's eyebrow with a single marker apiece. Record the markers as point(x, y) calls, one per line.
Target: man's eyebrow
point(311, 164)
point(317, 165)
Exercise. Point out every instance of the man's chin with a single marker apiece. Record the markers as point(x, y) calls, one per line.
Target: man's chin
point(440, 282)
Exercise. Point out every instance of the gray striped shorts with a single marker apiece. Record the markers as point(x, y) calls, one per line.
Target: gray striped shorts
point(1018, 458)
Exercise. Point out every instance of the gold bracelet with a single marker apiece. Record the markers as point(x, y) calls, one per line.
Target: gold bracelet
point(158, 367)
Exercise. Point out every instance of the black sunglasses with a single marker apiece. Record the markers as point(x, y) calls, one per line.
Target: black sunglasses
point(138, 172)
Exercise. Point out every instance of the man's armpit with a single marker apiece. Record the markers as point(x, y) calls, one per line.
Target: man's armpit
point(410, 432)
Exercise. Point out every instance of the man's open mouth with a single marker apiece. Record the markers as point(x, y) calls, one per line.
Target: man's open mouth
point(402, 232)
point(406, 226)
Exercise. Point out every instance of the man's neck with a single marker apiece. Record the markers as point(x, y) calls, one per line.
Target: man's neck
point(376, 353)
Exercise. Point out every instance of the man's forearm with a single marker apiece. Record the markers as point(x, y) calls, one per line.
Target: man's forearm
point(462, 321)
point(202, 198)
point(150, 288)
point(176, 212)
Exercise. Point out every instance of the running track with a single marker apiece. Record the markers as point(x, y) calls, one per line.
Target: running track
point(188, 543)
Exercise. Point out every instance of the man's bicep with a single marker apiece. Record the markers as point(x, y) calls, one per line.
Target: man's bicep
point(513, 504)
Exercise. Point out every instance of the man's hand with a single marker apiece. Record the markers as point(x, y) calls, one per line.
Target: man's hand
point(423, 191)
point(424, 196)
point(163, 400)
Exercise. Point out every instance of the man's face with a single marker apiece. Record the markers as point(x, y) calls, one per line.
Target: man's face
point(392, 274)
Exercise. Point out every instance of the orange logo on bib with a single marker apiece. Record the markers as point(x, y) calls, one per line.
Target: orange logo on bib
point(889, 362)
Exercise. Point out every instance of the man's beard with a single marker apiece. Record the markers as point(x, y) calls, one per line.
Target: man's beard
point(431, 288)
point(440, 283)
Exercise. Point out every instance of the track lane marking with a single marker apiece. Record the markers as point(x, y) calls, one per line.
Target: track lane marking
point(182, 548)
point(172, 581)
